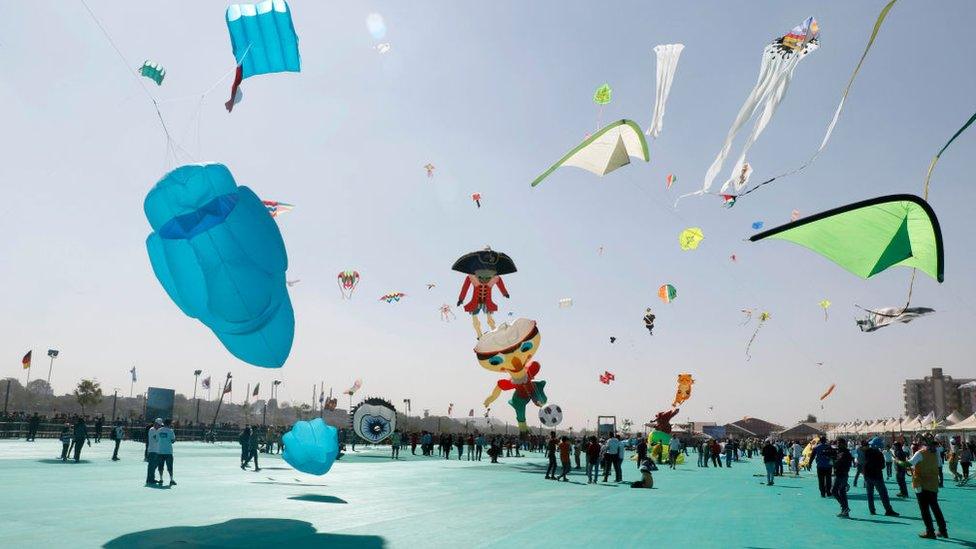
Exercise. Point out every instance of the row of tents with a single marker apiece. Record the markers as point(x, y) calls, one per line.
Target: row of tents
point(953, 422)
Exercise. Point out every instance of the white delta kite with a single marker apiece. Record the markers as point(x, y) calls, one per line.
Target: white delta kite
point(606, 150)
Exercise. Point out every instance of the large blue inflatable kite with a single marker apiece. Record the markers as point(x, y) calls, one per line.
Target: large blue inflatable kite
point(311, 446)
point(221, 259)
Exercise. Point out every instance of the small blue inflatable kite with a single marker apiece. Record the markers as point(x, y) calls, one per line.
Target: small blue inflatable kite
point(311, 446)
point(221, 259)
point(263, 38)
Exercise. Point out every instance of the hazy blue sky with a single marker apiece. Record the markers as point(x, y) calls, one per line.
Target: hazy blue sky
point(491, 93)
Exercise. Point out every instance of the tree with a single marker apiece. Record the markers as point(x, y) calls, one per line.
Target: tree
point(40, 387)
point(88, 393)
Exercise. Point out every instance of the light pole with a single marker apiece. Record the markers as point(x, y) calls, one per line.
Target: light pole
point(274, 396)
point(53, 353)
point(115, 399)
point(196, 378)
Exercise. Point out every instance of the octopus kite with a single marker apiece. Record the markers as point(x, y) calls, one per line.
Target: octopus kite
point(509, 349)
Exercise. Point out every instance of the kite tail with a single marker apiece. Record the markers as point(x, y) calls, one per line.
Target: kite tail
point(928, 175)
point(238, 78)
point(840, 107)
point(751, 339)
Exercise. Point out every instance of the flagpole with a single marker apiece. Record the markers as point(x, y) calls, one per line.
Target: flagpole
point(321, 393)
point(247, 409)
point(213, 425)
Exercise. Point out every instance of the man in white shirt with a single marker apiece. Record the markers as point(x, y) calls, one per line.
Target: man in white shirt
point(165, 437)
point(152, 445)
point(614, 457)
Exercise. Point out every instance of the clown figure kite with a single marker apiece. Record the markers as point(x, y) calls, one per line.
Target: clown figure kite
point(509, 349)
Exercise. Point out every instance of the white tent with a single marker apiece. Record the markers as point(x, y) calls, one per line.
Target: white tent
point(914, 424)
point(603, 152)
point(954, 418)
point(968, 424)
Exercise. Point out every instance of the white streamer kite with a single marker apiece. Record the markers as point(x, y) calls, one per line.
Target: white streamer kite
point(780, 59)
point(667, 63)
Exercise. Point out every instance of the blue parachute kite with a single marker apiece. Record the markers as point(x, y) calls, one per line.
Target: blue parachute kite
point(264, 41)
point(311, 446)
point(221, 259)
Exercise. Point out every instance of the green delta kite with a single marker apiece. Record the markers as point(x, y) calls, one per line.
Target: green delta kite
point(606, 150)
point(867, 237)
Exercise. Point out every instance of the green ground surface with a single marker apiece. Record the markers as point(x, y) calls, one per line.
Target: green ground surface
point(369, 501)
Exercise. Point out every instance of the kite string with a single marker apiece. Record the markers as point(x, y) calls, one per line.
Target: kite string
point(170, 144)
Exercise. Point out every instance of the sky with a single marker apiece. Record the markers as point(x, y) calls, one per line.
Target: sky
point(491, 94)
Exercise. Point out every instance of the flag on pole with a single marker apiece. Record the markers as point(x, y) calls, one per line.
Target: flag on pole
point(227, 388)
point(133, 372)
point(407, 402)
point(257, 388)
point(206, 383)
point(27, 359)
point(450, 408)
point(471, 413)
point(321, 396)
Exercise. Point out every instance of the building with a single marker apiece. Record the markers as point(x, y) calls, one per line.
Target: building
point(751, 427)
point(806, 430)
point(938, 393)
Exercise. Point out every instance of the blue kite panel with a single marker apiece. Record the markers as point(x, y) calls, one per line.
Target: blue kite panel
point(311, 446)
point(263, 38)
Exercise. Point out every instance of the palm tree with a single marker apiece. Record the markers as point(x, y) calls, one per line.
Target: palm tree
point(88, 392)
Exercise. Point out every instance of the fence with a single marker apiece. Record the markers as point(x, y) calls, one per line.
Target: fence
point(13, 429)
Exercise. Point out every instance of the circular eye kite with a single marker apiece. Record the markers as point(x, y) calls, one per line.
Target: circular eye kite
point(374, 420)
point(551, 415)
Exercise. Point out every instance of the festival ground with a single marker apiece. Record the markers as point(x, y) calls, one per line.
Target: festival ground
point(369, 501)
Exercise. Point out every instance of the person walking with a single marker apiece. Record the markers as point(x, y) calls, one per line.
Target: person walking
point(117, 434)
point(873, 471)
point(965, 460)
point(592, 461)
point(673, 450)
point(244, 439)
point(32, 424)
point(165, 437)
point(728, 449)
point(888, 457)
point(564, 458)
point(459, 444)
point(551, 455)
point(99, 424)
point(642, 452)
point(823, 455)
point(65, 438)
point(770, 456)
point(842, 468)
point(925, 481)
point(80, 437)
point(479, 445)
point(152, 445)
point(254, 441)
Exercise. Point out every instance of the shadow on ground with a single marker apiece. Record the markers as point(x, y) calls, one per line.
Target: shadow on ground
point(319, 498)
point(58, 460)
point(244, 533)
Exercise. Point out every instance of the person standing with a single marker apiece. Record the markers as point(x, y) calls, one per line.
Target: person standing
point(65, 438)
point(577, 450)
point(705, 452)
point(900, 455)
point(165, 437)
point(716, 450)
point(32, 424)
point(99, 424)
point(842, 468)
point(925, 481)
point(470, 442)
point(564, 458)
point(888, 456)
point(395, 445)
point(593, 461)
point(253, 444)
point(614, 455)
point(152, 444)
point(479, 445)
point(551, 455)
point(823, 456)
point(80, 437)
point(459, 444)
point(965, 460)
point(860, 456)
point(770, 456)
point(728, 453)
point(796, 455)
point(118, 433)
point(413, 444)
point(873, 471)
